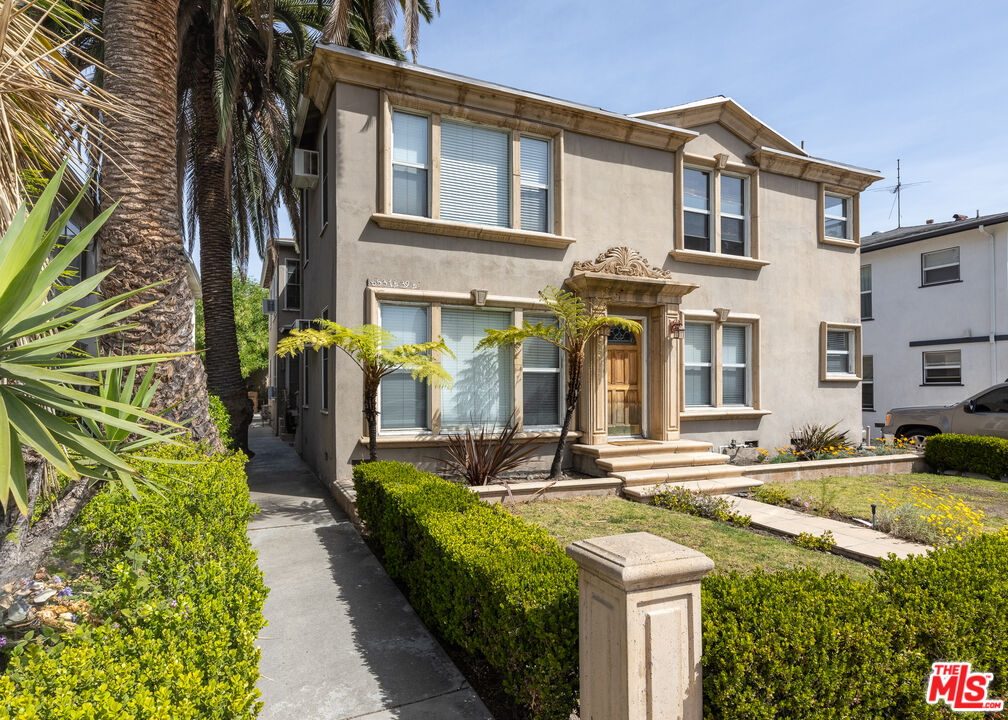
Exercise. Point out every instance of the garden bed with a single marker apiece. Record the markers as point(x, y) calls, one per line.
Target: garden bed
point(852, 466)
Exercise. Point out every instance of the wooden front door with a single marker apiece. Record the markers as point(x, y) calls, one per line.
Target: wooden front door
point(624, 386)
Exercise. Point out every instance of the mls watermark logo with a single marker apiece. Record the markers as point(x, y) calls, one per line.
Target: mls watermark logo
point(960, 688)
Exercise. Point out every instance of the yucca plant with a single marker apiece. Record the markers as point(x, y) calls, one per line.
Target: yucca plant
point(576, 324)
point(482, 456)
point(813, 439)
point(57, 407)
point(374, 350)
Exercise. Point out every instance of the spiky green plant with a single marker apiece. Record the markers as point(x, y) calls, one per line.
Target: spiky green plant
point(813, 439)
point(374, 350)
point(70, 410)
point(577, 323)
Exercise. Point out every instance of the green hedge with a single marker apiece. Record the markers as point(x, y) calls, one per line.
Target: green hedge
point(968, 453)
point(183, 597)
point(222, 419)
point(486, 581)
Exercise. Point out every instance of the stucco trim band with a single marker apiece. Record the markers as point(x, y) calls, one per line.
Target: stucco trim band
point(412, 223)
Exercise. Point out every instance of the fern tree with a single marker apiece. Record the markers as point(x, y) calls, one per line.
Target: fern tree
point(374, 350)
point(577, 323)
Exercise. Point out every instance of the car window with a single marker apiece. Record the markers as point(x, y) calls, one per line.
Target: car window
point(994, 401)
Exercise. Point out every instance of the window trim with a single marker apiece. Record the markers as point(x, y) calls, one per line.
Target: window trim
point(428, 421)
point(924, 368)
point(430, 159)
point(434, 225)
point(744, 217)
point(845, 201)
point(868, 292)
point(550, 184)
point(712, 244)
point(300, 285)
point(714, 390)
point(747, 365)
point(957, 264)
point(560, 371)
point(719, 411)
point(867, 380)
point(717, 166)
point(854, 352)
point(853, 218)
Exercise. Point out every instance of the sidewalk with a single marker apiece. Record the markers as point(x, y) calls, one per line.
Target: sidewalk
point(342, 642)
point(861, 543)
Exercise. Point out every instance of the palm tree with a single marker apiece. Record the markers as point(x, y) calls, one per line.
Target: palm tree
point(143, 240)
point(577, 323)
point(367, 24)
point(240, 77)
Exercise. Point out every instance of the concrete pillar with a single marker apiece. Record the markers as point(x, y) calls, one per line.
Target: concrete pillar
point(640, 634)
point(593, 403)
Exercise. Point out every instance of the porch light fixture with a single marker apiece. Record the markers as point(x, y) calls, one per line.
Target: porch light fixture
point(479, 297)
point(676, 329)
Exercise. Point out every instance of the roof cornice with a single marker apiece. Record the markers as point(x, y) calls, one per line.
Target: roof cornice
point(332, 64)
point(927, 233)
point(814, 169)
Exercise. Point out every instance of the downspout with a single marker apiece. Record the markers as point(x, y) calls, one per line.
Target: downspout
point(993, 308)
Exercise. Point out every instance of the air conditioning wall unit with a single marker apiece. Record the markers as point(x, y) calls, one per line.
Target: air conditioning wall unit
point(303, 324)
point(269, 306)
point(306, 168)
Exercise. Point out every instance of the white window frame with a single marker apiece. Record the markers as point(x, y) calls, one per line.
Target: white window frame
point(513, 223)
point(925, 366)
point(300, 285)
point(428, 167)
point(430, 388)
point(867, 292)
point(324, 180)
point(324, 371)
point(851, 345)
point(848, 203)
point(747, 364)
point(712, 399)
point(867, 381)
point(709, 212)
point(561, 378)
point(744, 217)
point(548, 187)
point(957, 265)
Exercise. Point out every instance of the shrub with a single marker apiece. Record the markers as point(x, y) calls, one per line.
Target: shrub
point(813, 440)
point(771, 495)
point(481, 457)
point(823, 543)
point(182, 595)
point(697, 503)
point(222, 419)
point(486, 581)
point(930, 517)
point(968, 453)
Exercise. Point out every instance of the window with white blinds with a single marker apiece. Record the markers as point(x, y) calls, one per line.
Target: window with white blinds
point(839, 352)
point(940, 266)
point(483, 386)
point(410, 164)
point(403, 400)
point(535, 175)
point(475, 182)
point(698, 357)
point(734, 365)
point(542, 380)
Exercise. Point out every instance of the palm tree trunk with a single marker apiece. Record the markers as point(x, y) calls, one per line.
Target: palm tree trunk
point(142, 239)
point(213, 211)
point(575, 363)
point(371, 416)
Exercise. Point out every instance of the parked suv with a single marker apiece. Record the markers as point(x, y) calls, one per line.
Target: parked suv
point(986, 413)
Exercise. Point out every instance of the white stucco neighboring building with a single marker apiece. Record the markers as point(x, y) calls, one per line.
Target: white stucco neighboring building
point(934, 313)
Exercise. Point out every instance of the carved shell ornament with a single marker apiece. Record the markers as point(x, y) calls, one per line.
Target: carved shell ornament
point(621, 261)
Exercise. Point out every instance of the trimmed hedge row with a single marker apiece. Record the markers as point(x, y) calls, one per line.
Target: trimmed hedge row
point(777, 646)
point(183, 597)
point(968, 453)
point(488, 582)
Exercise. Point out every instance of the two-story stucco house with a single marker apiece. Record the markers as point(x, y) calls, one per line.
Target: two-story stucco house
point(444, 204)
point(281, 275)
point(934, 303)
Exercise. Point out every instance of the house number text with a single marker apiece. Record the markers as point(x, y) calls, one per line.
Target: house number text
point(386, 283)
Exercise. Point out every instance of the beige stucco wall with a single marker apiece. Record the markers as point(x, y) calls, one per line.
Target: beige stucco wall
point(614, 194)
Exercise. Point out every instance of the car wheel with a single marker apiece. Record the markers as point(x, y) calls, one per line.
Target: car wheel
point(917, 435)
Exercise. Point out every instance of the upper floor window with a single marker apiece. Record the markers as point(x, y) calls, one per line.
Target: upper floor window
point(292, 284)
point(697, 211)
point(734, 215)
point(866, 294)
point(535, 183)
point(940, 266)
point(837, 217)
point(942, 367)
point(410, 164)
point(475, 182)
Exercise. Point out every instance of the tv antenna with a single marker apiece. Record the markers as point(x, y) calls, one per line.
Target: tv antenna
point(897, 190)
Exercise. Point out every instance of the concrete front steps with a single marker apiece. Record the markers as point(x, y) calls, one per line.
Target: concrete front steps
point(647, 466)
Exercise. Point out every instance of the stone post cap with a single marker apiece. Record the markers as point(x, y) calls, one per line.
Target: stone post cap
point(640, 560)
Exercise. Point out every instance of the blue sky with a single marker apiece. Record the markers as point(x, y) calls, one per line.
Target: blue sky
point(860, 82)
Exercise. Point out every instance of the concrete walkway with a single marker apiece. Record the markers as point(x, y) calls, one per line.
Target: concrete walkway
point(861, 543)
point(342, 642)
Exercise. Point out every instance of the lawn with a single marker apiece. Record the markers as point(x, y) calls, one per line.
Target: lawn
point(853, 496)
point(730, 548)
